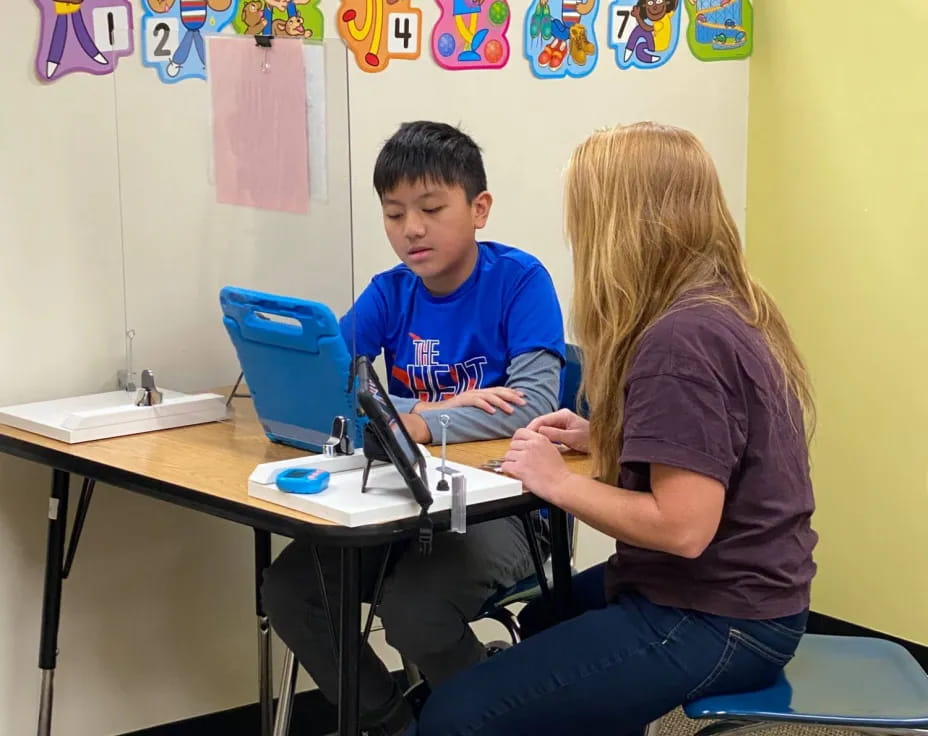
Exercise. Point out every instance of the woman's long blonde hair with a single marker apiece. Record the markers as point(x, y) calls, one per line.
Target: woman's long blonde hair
point(647, 223)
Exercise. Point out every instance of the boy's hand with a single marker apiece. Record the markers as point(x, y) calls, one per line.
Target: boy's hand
point(488, 399)
point(565, 427)
point(417, 428)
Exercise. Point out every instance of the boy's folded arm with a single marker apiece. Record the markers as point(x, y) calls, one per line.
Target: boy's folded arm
point(403, 404)
point(536, 374)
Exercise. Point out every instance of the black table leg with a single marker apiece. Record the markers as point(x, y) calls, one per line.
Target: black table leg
point(265, 691)
point(560, 561)
point(51, 599)
point(349, 650)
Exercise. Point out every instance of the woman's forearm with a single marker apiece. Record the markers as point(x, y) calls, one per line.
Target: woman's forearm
point(631, 517)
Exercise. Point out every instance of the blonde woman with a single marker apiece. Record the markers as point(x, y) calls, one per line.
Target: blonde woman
point(698, 408)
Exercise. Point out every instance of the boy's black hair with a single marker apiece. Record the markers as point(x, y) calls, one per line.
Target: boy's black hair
point(429, 151)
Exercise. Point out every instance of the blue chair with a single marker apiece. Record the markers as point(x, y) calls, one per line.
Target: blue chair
point(570, 390)
point(845, 682)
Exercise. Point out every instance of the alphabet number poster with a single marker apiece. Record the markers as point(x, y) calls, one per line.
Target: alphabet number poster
point(644, 33)
point(279, 18)
point(174, 32)
point(720, 29)
point(377, 31)
point(82, 36)
point(560, 38)
point(471, 34)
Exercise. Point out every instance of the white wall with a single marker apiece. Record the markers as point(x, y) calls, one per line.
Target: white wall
point(157, 618)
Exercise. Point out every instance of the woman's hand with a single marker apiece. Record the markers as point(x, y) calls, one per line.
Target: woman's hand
point(488, 399)
point(537, 463)
point(565, 427)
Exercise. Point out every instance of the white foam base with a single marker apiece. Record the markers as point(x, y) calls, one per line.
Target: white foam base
point(111, 414)
point(387, 497)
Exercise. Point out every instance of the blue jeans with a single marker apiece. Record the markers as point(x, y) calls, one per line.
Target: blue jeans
point(611, 668)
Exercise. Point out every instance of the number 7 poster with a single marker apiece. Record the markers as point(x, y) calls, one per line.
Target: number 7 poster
point(644, 33)
point(377, 31)
point(173, 34)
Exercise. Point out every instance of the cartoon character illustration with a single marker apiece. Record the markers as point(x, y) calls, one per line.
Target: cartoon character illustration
point(644, 32)
point(380, 31)
point(480, 26)
point(292, 27)
point(257, 18)
point(252, 16)
point(58, 54)
point(653, 30)
point(580, 45)
point(565, 31)
point(720, 29)
point(189, 21)
point(469, 33)
point(373, 20)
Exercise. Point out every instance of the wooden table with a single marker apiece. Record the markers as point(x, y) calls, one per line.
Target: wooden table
point(206, 467)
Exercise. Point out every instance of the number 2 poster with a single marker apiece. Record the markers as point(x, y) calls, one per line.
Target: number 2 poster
point(173, 35)
point(82, 36)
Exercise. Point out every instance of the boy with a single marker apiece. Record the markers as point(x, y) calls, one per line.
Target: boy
point(471, 330)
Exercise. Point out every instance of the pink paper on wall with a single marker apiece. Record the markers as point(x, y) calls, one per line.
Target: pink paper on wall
point(259, 123)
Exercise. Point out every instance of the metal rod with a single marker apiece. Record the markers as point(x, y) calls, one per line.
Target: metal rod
point(378, 590)
point(536, 554)
point(45, 703)
point(325, 600)
point(287, 688)
point(83, 505)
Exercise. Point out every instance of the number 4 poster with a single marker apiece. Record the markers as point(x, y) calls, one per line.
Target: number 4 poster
point(644, 33)
point(173, 34)
point(379, 30)
point(82, 36)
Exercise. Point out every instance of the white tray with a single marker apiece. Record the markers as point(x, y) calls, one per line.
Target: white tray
point(111, 414)
point(386, 499)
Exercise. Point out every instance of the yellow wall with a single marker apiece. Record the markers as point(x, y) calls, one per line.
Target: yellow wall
point(838, 231)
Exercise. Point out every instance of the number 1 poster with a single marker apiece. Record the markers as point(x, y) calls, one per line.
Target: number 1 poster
point(82, 36)
point(173, 34)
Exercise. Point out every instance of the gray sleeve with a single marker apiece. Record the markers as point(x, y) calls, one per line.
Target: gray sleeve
point(537, 374)
point(403, 404)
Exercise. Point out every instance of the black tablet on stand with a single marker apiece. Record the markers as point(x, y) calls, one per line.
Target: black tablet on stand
point(386, 439)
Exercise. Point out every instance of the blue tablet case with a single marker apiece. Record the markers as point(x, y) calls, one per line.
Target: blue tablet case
point(296, 364)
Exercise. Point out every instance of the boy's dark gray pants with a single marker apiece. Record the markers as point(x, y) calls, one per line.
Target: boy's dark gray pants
point(426, 606)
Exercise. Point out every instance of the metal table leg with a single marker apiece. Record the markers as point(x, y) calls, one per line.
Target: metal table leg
point(51, 599)
point(349, 650)
point(265, 688)
point(560, 562)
